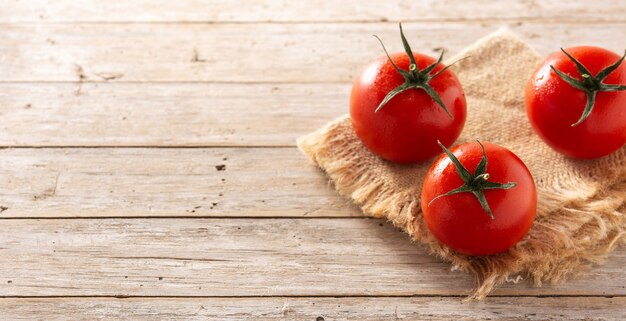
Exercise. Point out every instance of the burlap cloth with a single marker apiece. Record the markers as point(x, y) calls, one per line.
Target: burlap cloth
point(580, 210)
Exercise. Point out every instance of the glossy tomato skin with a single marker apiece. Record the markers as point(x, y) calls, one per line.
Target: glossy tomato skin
point(407, 128)
point(553, 106)
point(459, 221)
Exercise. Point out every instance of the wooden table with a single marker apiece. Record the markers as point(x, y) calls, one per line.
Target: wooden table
point(149, 168)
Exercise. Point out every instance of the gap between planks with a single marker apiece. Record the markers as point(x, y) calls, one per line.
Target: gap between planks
point(212, 146)
point(513, 20)
point(172, 217)
point(305, 296)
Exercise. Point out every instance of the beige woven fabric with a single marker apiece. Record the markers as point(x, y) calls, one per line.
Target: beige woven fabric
point(580, 213)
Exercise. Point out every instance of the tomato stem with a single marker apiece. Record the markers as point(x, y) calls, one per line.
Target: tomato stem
point(589, 84)
point(480, 178)
point(475, 183)
point(414, 78)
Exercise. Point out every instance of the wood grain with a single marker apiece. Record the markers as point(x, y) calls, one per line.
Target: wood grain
point(232, 73)
point(241, 257)
point(289, 11)
point(105, 182)
point(310, 309)
point(157, 114)
point(247, 52)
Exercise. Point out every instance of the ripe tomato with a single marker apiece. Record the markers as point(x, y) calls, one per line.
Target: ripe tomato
point(394, 108)
point(481, 213)
point(556, 104)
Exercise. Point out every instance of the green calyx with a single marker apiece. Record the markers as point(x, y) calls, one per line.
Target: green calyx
point(414, 78)
point(475, 183)
point(589, 84)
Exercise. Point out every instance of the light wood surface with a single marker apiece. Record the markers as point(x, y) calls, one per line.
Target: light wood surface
point(312, 309)
point(233, 52)
point(149, 172)
point(221, 101)
point(134, 182)
point(159, 114)
point(318, 10)
point(242, 257)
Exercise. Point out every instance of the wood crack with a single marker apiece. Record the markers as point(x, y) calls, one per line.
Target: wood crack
point(169, 258)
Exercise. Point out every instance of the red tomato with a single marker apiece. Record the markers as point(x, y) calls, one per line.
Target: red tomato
point(460, 220)
point(407, 127)
point(553, 105)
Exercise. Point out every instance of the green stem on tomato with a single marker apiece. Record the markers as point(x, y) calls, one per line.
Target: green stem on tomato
point(589, 84)
point(474, 183)
point(414, 78)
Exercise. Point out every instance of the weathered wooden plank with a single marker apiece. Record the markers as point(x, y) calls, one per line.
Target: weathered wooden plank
point(309, 309)
point(289, 11)
point(157, 114)
point(241, 257)
point(164, 182)
point(246, 52)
